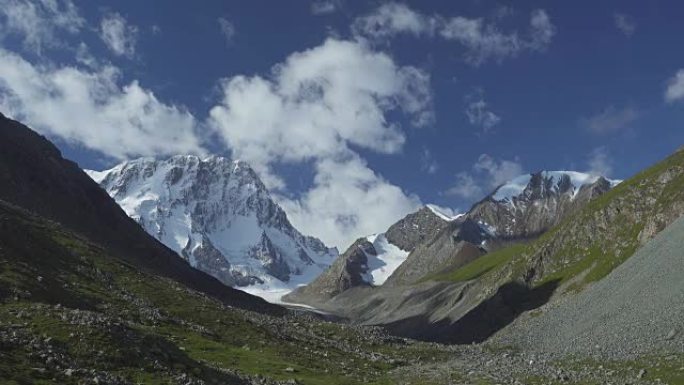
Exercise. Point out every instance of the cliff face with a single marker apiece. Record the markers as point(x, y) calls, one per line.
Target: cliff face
point(415, 229)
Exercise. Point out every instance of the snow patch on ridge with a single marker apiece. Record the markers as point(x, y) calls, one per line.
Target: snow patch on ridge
point(444, 212)
point(387, 259)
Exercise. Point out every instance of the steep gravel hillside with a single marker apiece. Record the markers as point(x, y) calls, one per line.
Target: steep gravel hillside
point(636, 309)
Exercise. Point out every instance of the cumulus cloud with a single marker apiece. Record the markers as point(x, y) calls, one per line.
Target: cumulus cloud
point(624, 23)
point(316, 107)
point(600, 162)
point(92, 109)
point(482, 40)
point(324, 7)
point(39, 23)
point(486, 174)
point(119, 36)
point(675, 87)
point(227, 29)
point(348, 200)
point(611, 120)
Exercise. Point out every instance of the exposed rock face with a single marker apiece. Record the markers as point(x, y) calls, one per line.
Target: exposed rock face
point(346, 272)
point(218, 215)
point(517, 211)
point(455, 246)
point(415, 228)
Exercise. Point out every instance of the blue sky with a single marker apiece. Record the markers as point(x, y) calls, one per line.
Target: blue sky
point(354, 113)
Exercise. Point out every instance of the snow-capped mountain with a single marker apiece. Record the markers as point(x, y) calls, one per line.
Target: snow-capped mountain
point(217, 214)
point(530, 204)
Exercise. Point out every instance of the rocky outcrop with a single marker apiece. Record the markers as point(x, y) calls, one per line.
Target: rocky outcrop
point(545, 200)
point(454, 246)
point(345, 273)
point(415, 229)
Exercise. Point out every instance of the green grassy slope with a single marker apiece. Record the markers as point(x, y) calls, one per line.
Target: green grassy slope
point(69, 312)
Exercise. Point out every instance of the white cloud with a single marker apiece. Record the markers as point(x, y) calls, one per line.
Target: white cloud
point(91, 108)
point(600, 162)
point(479, 114)
point(482, 41)
point(348, 200)
point(83, 56)
point(611, 120)
point(541, 31)
point(624, 23)
point(315, 107)
point(487, 174)
point(227, 29)
point(39, 23)
point(324, 7)
point(497, 171)
point(393, 18)
point(119, 36)
point(428, 162)
point(675, 87)
point(465, 187)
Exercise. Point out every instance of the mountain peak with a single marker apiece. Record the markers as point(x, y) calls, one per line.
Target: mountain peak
point(217, 213)
point(542, 183)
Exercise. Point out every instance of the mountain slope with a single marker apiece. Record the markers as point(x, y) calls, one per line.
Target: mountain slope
point(71, 313)
point(371, 260)
point(599, 237)
point(218, 215)
point(34, 176)
point(519, 210)
point(583, 249)
point(637, 309)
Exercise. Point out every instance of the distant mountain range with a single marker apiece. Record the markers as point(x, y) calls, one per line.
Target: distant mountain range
point(428, 240)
